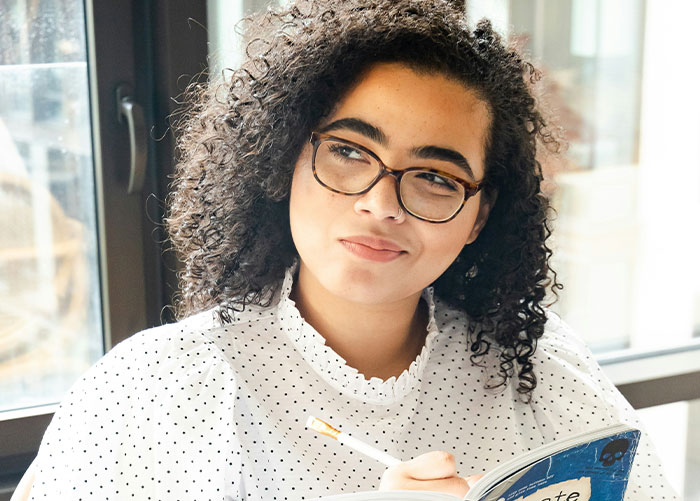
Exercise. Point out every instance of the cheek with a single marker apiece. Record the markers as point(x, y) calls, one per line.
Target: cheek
point(311, 212)
point(302, 191)
point(444, 242)
point(460, 228)
point(310, 204)
point(299, 181)
point(299, 211)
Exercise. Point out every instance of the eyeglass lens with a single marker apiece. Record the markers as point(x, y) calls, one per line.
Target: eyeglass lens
point(426, 194)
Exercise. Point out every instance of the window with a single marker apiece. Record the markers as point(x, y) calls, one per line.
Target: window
point(81, 262)
point(50, 313)
point(629, 185)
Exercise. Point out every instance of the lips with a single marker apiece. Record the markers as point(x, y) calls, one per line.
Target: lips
point(372, 248)
point(374, 243)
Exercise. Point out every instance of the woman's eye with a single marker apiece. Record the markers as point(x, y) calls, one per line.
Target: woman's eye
point(347, 152)
point(436, 179)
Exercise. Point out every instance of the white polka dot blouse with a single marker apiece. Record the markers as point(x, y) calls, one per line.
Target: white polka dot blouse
point(203, 411)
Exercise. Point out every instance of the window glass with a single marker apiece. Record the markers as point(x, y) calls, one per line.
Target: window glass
point(50, 320)
point(225, 43)
point(627, 191)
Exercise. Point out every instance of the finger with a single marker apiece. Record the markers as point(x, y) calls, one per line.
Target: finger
point(430, 466)
point(457, 486)
point(471, 480)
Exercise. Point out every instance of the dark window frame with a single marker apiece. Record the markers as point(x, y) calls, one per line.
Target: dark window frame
point(139, 43)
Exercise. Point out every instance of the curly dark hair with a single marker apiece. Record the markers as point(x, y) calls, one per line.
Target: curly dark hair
point(240, 138)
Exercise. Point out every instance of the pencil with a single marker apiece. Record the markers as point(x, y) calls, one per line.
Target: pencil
point(324, 428)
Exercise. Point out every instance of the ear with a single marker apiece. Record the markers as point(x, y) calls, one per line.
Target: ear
point(488, 200)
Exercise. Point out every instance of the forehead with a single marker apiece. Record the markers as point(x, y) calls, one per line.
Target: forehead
point(418, 108)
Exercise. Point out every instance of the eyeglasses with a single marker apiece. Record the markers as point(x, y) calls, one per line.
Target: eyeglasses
point(351, 169)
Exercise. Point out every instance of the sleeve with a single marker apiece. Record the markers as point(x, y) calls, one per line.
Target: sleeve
point(153, 419)
point(573, 395)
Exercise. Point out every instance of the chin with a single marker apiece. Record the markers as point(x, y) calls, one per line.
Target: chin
point(365, 286)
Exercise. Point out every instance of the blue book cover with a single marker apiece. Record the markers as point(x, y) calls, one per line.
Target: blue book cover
point(586, 467)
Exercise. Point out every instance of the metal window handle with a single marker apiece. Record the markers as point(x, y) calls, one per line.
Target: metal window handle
point(130, 110)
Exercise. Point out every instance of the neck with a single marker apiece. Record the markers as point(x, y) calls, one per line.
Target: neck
point(379, 340)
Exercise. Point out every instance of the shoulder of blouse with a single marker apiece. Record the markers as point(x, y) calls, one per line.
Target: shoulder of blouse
point(571, 386)
point(149, 389)
point(561, 351)
point(159, 357)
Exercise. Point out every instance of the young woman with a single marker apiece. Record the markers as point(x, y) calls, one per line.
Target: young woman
point(359, 213)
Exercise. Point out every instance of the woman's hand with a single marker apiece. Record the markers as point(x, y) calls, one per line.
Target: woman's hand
point(433, 471)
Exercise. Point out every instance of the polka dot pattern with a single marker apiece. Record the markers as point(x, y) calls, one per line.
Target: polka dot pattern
point(197, 410)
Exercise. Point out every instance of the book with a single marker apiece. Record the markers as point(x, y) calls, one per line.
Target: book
point(594, 465)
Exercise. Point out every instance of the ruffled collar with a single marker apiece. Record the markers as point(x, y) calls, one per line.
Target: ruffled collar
point(333, 369)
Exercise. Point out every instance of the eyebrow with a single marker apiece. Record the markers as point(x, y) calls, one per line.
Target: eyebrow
point(429, 152)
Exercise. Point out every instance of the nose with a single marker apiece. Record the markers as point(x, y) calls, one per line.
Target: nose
point(381, 201)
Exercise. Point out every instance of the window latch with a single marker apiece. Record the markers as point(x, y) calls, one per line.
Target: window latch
point(128, 109)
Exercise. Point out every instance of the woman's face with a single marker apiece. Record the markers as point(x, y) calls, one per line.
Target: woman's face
point(354, 246)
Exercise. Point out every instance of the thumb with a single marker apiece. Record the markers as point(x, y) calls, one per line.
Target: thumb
point(431, 465)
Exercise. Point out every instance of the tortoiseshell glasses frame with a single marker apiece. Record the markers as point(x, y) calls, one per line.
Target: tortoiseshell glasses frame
point(470, 189)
